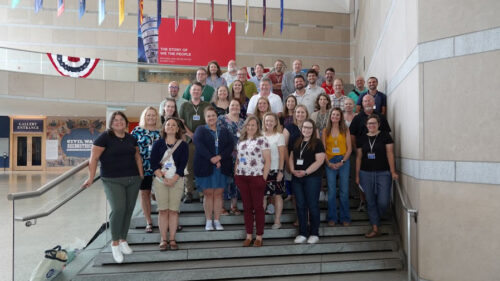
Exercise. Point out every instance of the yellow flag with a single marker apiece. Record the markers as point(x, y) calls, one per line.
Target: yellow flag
point(121, 12)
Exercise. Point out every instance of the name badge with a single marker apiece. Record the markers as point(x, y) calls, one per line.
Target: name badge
point(238, 134)
point(167, 165)
point(216, 144)
point(202, 98)
point(196, 117)
point(371, 156)
point(336, 150)
point(243, 160)
point(150, 147)
point(300, 162)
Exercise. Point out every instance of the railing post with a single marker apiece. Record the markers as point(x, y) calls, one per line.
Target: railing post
point(408, 244)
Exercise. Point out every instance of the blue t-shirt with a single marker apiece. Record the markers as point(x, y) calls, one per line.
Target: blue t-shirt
point(145, 140)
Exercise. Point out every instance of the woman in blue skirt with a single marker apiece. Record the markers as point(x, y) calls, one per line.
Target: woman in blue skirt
point(213, 165)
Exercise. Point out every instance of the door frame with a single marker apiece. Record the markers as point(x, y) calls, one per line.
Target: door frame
point(29, 135)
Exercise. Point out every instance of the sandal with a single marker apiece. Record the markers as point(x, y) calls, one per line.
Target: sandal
point(173, 245)
point(296, 223)
point(149, 228)
point(163, 246)
point(224, 212)
point(235, 211)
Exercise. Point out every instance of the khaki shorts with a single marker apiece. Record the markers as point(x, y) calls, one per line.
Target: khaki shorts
point(168, 198)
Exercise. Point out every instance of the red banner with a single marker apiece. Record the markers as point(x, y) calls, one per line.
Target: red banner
point(182, 47)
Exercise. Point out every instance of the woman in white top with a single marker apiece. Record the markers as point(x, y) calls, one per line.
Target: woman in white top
point(275, 186)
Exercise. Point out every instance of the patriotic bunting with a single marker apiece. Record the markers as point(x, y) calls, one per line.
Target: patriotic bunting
point(212, 16)
point(263, 17)
point(121, 12)
point(14, 3)
point(73, 66)
point(38, 6)
point(194, 15)
point(60, 7)
point(102, 11)
point(158, 14)
point(176, 14)
point(247, 17)
point(229, 15)
point(282, 14)
point(81, 10)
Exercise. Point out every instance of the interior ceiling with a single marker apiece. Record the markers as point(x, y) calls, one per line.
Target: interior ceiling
point(334, 6)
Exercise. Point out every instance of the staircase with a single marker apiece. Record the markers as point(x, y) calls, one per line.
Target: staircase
point(216, 255)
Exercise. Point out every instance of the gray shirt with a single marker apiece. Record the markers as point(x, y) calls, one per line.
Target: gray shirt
point(288, 84)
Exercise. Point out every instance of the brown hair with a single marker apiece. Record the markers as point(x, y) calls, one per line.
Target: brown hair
point(112, 118)
point(277, 127)
point(256, 112)
point(301, 106)
point(215, 96)
point(285, 109)
point(219, 72)
point(342, 125)
point(243, 97)
point(176, 112)
point(179, 133)
point(316, 103)
point(244, 134)
point(313, 141)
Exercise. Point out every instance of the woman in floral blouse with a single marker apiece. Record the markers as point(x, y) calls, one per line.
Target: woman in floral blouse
point(146, 134)
point(252, 168)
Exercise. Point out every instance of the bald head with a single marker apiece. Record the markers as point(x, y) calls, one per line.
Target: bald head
point(360, 83)
point(297, 66)
point(173, 89)
point(368, 103)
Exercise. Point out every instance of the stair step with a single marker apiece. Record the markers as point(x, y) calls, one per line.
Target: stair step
point(233, 249)
point(191, 219)
point(237, 232)
point(245, 267)
point(287, 205)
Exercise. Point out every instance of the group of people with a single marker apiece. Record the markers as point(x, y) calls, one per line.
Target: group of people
point(260, 140)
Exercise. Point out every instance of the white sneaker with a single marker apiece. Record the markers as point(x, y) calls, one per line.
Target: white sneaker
point(218, 225)
point(313, 239)
point(117, 254)
point(300, 239)
point(209, 226)
point(276, 226)
point(125, 248)
point(322, 196)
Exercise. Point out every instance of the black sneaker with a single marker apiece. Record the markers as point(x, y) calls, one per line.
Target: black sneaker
point(187, 200)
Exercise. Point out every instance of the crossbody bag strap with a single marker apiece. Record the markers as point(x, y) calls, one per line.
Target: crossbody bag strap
point(168, 153)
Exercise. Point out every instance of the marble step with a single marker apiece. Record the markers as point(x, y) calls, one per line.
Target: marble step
point(191, 219)
point(233, 249)
point(237, 232)
point(217, 269)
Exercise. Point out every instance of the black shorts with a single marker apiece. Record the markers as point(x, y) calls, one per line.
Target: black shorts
point(146, 183)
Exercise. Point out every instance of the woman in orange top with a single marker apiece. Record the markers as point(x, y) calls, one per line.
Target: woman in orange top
point(337, 142)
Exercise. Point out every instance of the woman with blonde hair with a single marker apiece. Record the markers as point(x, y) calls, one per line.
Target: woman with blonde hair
point(146, 134)
point(237, 92)
point(275, 186)
point(320, 116)
point(263, 107)
point(220, 101)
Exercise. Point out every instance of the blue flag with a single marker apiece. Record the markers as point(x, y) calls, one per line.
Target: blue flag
point(82, 8)
point(158, 15)
point(38, 5)
point(281, 23)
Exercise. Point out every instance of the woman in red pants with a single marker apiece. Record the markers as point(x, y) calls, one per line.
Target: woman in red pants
point(251, 171)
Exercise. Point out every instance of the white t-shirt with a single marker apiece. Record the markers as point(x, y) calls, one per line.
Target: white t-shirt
point(275, 141)
point(274, 100)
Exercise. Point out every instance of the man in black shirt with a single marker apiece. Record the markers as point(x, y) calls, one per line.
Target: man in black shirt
point(358, 124)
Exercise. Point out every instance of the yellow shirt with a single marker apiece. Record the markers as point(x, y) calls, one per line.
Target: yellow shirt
point(335, 145)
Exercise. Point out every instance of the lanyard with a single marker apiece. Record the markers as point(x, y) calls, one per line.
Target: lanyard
point(372, 144)
point(196, 109)
point(302, 149)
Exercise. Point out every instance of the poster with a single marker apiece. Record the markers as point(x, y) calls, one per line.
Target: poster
point(51, 150)
point(182, 47)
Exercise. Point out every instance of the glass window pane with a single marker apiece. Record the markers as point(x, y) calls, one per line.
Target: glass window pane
point(22, 151)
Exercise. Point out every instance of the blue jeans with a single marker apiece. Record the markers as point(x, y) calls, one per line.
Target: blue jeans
point(331, 177)
point(377, 187)
point(306, 191)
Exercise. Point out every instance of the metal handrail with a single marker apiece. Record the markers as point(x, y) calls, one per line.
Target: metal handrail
point(55, 207)
point(409, 213)
point(48, 186)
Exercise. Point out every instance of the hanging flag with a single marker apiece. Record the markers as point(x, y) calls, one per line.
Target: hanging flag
point(263, 17)
point(121, 12)
point(38, 5)
point(60, 7)
point(102, 11)
point(14, 3)
point(229, 15)
point(73, 66)
point(141, 8)
point(158, 14)
point(194, 15)
point(81, 10)
point(212, 16)
point(247, 17)
point(282, 16)
point(176, 14)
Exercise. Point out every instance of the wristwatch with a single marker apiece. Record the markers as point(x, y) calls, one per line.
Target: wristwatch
point(342, 161)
